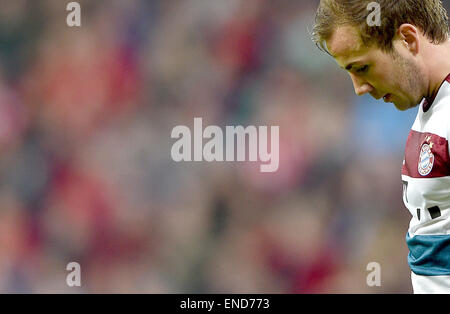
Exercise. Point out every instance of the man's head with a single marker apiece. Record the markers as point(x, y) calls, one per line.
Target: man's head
point(388, 60)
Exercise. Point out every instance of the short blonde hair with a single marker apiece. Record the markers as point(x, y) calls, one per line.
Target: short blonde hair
point(429, 16)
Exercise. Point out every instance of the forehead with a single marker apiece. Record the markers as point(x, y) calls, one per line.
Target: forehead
point(345, 43)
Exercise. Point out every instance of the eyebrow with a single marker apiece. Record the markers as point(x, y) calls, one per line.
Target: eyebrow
point(350, 65)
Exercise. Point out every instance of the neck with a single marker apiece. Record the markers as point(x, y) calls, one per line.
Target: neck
point(438, 67)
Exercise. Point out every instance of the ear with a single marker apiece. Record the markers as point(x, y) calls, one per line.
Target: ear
point(409, 36)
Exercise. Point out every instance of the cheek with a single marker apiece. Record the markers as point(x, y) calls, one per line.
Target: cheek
point(387, 73)
point(391, 78)
point(381, 81)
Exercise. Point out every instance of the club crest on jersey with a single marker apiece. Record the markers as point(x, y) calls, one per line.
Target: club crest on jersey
point(426, 159)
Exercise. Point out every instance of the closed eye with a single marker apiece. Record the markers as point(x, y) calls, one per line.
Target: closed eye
point(362, 69)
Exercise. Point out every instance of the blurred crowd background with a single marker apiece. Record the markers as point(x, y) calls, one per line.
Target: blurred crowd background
point(86, 176)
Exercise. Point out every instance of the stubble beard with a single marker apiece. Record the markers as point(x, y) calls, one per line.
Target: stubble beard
point(411, 81)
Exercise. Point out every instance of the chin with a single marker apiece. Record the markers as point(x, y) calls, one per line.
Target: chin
point(404, 106)
point(401, 108)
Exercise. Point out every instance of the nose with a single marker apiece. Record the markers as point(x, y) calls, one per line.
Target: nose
point(361, 87)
